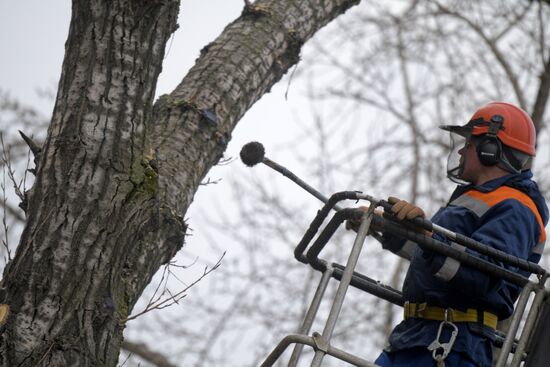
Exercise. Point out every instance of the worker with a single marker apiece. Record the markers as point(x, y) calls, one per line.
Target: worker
point(496, 203)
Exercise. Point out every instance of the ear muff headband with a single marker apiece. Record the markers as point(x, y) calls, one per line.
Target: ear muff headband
point(489, 148)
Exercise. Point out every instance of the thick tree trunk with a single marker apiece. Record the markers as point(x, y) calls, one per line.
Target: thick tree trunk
point(116, 176)
point(74, 277)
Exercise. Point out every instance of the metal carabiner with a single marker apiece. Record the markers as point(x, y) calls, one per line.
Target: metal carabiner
point(441, 350)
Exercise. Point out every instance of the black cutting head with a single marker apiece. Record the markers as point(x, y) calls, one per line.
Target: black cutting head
point(252, 153)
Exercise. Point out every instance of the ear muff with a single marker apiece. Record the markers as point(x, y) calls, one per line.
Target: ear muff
point(489, 150)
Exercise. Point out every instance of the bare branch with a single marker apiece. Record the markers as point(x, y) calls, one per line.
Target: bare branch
point(13, 212)
point(144, 352)
point(11, 173)
point(513, 22)
point(35, 149)
point(542, 97)
point(492, 44)
point(5, 240)
point(159, 304)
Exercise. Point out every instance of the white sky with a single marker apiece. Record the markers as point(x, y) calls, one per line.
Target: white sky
point(32, 38)
point(33, 33)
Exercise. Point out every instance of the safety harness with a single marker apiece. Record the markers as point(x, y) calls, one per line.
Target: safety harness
point(448, 316)
point(423, 311)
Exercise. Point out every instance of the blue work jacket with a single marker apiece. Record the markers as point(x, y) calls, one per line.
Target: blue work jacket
point(509, 214)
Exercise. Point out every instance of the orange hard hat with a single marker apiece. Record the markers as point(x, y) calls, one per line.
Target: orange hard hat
point(518, 131)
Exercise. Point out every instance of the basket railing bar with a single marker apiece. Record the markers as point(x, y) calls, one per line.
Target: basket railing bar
point(519, 355)
point(348, 276)
point(418, 222)
point(310, 314)
point(315, 344)
point(514, 325)
point(344, 283)
point(431, 244)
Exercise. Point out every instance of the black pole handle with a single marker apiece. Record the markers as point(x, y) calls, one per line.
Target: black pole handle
point(470, 243)
point(358, 280)
point(431, 244)
point(318, 221)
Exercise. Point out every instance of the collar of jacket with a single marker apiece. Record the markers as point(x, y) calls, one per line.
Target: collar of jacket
point(493, 184)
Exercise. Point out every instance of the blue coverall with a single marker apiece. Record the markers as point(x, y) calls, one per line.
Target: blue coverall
point(508, 213)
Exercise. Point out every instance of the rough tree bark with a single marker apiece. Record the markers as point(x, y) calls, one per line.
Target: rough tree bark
point(116, 173)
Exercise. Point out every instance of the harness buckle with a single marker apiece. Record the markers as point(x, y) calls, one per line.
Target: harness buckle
point(440, 350)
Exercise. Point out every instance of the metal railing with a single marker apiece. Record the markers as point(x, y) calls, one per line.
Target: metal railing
point(510, 343)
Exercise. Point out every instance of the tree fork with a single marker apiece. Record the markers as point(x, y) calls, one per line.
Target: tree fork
point(116, 176)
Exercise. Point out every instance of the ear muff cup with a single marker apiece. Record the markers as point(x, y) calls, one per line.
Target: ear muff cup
point(489, 150)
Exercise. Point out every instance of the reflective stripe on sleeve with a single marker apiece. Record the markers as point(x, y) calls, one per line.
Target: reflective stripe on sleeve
point(450, 267)
point(407, 250)
point(503, 193)
point(538, 249)
point(480, 202)
point(475, 205)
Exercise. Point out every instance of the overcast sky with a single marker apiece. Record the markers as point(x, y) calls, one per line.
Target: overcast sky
point(33, 34)
point(32, 38)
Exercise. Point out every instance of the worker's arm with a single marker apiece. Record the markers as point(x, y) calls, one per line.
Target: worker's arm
point(509, 226)
point(402, 210)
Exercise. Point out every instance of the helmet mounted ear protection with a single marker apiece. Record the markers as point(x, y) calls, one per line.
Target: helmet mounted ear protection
point(489, 149)
point(503, 135)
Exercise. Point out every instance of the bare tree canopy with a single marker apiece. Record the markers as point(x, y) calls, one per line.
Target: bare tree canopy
point(116, 172)
point(377, 84)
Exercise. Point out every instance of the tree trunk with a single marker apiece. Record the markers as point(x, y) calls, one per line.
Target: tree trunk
point(116, 176)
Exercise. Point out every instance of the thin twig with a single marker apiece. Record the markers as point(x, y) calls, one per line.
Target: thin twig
point(152, 300)
point(173, 299)
point(492, 44)
point(146, 353)
point(11, 173)
point(127, 358)
point(209, 181)
point(5, 241)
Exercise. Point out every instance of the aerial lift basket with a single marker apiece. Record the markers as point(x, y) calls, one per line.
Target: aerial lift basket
point(518, 345)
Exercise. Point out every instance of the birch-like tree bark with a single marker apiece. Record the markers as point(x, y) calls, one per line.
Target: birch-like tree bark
point(117, 173)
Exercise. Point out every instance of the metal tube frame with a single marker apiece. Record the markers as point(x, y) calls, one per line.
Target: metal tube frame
point(321, 343)
point(526, 333)
point(514, 325)
point(314, 342)
point(310, 314)
point(344, 283)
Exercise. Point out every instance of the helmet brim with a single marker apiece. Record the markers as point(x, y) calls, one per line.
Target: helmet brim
point(457, 129)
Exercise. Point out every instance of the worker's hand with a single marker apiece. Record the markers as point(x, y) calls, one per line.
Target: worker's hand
point(405, 210)
point(353, 224)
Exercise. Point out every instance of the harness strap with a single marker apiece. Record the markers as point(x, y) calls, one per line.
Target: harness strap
point(423, 311)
